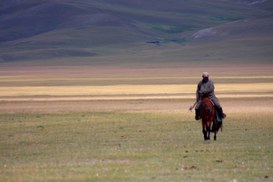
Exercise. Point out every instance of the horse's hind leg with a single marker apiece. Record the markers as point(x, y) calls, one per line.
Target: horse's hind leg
point(215, 135)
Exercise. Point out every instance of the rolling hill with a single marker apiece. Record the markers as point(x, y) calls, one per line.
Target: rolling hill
point(137, 31)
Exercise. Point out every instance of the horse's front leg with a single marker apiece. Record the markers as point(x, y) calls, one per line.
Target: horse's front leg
point(205, 134)
point(204, 131)
point(208, 132)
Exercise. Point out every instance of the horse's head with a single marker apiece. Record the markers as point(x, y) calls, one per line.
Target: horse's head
point(207, 109)
point(204, 95)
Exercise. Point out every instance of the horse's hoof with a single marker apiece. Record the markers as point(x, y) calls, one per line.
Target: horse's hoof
point(207, 141)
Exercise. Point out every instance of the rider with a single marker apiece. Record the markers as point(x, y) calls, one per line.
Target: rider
point(206, 87)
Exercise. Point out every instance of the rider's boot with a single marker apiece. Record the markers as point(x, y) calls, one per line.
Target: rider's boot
point(220, 112)
point(197, 114)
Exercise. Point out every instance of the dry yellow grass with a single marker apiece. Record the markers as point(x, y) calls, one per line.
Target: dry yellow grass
point(239, 89)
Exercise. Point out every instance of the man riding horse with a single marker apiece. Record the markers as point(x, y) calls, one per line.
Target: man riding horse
point(206, 88)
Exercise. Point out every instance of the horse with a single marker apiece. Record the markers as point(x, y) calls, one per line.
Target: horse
point(208, 116)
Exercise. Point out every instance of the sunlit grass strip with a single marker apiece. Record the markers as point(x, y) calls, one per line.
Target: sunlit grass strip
point(95, 90)
point(130, 89)
point(129, 97)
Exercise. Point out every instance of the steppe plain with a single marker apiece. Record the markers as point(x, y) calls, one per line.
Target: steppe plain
point(99, 123)
point(100, 90)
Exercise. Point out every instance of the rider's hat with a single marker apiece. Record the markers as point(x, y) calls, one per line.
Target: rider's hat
point(205, 74)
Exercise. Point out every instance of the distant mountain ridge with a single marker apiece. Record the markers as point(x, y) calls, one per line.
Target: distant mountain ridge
point(28, 18)
point(57, 28)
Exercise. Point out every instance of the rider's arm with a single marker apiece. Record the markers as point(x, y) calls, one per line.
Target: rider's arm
point(198, 90)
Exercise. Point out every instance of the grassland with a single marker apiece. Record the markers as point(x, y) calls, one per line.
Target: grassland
point(64, 124)
point(122, 146)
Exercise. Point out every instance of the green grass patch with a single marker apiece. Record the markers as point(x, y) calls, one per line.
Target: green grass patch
point(117, 146)
point(173, 29)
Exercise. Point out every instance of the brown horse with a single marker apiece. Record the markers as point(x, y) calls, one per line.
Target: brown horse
point(209, 123)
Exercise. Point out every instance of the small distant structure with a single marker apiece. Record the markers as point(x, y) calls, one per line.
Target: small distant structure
point(157, 41)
